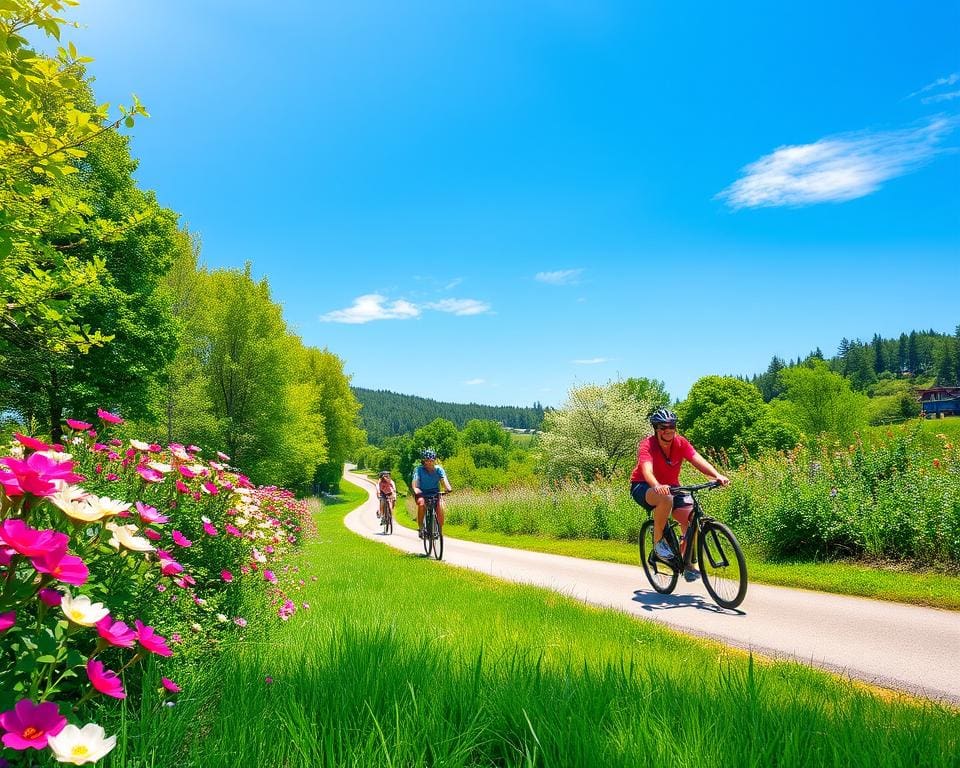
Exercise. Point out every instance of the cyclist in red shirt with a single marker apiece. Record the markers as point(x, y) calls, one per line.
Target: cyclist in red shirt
point(659, 458)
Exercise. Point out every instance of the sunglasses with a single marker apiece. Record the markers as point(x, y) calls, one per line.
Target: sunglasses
point(665, 427)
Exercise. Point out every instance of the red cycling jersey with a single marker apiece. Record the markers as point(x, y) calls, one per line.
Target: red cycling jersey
point(666, 468)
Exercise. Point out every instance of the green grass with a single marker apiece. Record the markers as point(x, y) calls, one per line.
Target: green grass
point(403, 661)
point(931, 589)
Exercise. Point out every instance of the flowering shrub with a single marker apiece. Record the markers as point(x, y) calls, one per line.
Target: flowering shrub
point(894, 498)
point(112, 553)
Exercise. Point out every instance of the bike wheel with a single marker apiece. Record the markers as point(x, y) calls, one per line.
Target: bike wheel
point(436, 539)
point(722, 565)
point(660, 575)
point(427, 522)
point(388, 526)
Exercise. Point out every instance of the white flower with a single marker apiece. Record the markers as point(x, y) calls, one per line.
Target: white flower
point(124, 536)
point(81, 611)
point(196, 627)
point(241, 521)
point(258, 555)
point(57, 456)
point(77, 510)
point(108, 506)
point(221, 618)
point(198, 469)
point(15, 450)
point(205, 519)
point(140, 445)
point(180, 453)
point(76, 440)
point(162, 468)
point(81, 745)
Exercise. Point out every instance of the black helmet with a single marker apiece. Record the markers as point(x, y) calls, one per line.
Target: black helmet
point(428, 454)
point(663, 416)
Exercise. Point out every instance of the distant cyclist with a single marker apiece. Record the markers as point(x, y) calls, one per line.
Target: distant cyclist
point(659, 458)
point(386, 489)
point(427, 477)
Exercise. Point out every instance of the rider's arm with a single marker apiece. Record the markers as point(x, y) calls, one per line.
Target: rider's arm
point(415, 483)
point(708, 469)
point(646, 468)
point(446, 482)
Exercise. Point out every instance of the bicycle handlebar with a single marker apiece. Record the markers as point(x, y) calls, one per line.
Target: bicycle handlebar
point(694, 488)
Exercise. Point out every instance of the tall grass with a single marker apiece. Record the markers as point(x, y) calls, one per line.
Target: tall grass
point(401, 661)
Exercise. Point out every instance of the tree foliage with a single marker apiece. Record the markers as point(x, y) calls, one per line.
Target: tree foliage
point(595, 433)
point(820, 402)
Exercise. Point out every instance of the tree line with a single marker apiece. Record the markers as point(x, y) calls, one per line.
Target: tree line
point(927, 357)
point(388, 414)
point(104, 303)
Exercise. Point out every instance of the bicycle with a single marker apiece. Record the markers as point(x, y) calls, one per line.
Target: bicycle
point(432, 529)
point(386, 515)
point(720, 557)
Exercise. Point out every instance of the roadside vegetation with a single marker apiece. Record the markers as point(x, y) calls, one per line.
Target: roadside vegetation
point(458, 669)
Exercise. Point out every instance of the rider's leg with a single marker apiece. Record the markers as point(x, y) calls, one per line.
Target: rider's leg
point(421, 511)
point(440, 510)
point(662, 506)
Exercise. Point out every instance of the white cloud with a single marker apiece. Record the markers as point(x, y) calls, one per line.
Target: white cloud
point(949, 96)
point(453, 284)
point(559, 277)
point(475, 382)
point(951, 79)
point(460, 306)
point(836, 168)
point(592, 361)
point(372, 306)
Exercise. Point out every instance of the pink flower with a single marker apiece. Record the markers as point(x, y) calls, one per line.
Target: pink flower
point(209, 529)
point(80, 426)
point(105, 681)
point(180, 540)
point(66, 568)
point(186, 580)
point(27, 725)
point(211, 488)
point(170, 567)
point(161, 588)
point(149, 475)
point(113, 476)
point(269, 576)
point(232, 530)
point(116, 633)
point(150, 640)
point(186, 472)
point(240, 621)
point(222, 456)
point(268, 680)
point(50, 597)
point(31, 442)
point(193, 448)
point(36, 474)
point(7, 620)
point(109, 418)
point(10, 485)
point(182, 487)
point(30, 541)
point(149, 514)
point(226, 576)
point(152, 534)
point(170, 685)
point(176, 638)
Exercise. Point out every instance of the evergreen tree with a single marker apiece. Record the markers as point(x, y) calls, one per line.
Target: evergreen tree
point(902, 353)
point(879, 363)
point(913, 355)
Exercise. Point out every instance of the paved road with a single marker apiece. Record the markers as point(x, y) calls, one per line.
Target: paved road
point(892, 645)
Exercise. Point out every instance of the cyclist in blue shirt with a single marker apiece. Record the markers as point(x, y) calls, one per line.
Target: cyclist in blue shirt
point(427, 477)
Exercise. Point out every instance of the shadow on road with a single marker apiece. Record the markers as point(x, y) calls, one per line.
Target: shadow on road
point(654, 601)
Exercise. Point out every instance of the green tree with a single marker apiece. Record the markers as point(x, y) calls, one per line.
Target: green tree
point(49, 264)
point(335, 410)
point(441, 435)
point(820, 402)
point(718, 411)
point(650, 392)
point(595, 433)
point(481, 431)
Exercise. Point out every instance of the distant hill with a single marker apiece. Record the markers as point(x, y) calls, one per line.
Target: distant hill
point(384, 413)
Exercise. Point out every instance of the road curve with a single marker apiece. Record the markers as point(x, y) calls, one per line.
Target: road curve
point(891, 645)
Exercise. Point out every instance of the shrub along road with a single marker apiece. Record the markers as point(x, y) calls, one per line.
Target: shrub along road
point(891, 645)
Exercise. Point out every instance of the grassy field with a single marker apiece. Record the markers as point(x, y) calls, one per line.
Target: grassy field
point(402, 661)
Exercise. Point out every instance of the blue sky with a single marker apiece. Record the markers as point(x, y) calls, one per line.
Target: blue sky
point(523, 197)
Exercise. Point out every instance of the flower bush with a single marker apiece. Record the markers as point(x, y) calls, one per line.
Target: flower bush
point(114, 552)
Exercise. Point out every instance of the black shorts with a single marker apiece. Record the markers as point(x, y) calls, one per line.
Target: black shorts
point(639, 492)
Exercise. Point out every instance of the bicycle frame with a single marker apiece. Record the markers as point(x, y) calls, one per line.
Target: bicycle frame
point(695, 525)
